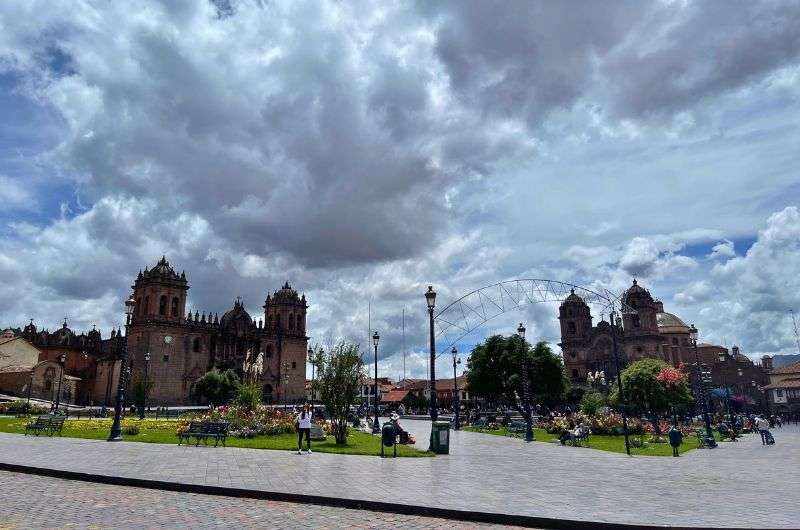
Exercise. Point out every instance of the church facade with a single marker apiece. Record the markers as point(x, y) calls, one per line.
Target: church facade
point(647, 332)
point(183, 346)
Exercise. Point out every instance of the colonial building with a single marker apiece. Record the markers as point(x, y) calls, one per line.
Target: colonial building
point(183, 346)
point(647, 332)
point(783, 391)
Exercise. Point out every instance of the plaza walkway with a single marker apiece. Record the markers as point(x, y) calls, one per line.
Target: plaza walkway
point(737, 485)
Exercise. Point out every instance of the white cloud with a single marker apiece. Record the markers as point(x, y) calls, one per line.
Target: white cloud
point(723, 249)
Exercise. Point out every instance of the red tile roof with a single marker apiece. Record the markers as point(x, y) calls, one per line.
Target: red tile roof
point(394, 396)
point(786, 383)
point(789, 369)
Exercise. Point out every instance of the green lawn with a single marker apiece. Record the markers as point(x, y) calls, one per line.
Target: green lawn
point(614, 444)
point(358, 443)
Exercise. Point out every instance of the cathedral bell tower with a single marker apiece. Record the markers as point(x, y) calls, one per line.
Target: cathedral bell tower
point(160, 295)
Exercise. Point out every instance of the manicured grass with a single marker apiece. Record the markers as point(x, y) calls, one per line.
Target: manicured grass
point(150, 431)
point(614, 444)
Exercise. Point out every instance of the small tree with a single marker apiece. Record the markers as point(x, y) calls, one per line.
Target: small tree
point(216, 387)
point(248, 396)
point(140, 390)
point(652, 385)
point(591, 402)
point(339, 374)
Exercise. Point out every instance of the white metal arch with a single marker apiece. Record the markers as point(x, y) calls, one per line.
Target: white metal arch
point(474, 309)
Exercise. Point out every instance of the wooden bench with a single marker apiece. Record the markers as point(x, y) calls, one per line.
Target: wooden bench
point(581, 437)
point(203, 430)
point(48, 424)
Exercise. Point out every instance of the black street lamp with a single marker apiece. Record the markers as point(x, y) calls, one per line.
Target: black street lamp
point(430, 298)
point(313, 363)
point(763, 391)
point(62, 359)
point(616, 324)
point(456, 404)
point(116, 428)
point(376, 428)
point(526, 396)
point(146, 383)
point(285, 378)
point(702, 389)
point(30, 389)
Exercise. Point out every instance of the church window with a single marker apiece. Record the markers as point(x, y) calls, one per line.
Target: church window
point(294, 365)
point(291, 322)
point(571, 327)
point(175, 308)
point(196, 345)
point(165, 358)
point(268, 351)
point(162, 305)
point(636, 321)
point(569, 312)
point(573, 354)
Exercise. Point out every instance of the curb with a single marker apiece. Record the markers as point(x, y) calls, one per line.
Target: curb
point(339, 502)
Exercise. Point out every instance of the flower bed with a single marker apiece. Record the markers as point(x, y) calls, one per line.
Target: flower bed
point(21, 407)
point(247, 424)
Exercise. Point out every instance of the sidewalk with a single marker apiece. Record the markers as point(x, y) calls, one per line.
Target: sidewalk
point(483, 473)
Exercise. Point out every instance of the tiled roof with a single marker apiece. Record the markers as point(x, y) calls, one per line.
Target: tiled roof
point(786, 383)
point(789, 369)
point(394, 395)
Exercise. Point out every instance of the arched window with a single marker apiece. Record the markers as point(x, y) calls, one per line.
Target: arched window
point(571, 327)
point(291, 322)
point(175, 303)
point(196, 345)
point(162, 305)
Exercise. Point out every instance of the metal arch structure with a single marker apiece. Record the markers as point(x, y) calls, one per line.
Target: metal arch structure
point(477, 307)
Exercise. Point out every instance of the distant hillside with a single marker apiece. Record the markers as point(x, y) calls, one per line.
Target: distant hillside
point(784, 360)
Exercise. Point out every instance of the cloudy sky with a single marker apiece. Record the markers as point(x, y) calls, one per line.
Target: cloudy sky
point(364, 150)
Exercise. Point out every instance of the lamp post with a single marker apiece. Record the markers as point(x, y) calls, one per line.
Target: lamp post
point(727, 390)
point(616, 323)
point(116, 428)
point(146, 383)
point(763, 392)
point(376, 428)
point(430, 298)
point(30, 389)
point(312, 363)
point(456, 403)
point(62, 359)
point(526, 397)
point(285, 378)
point(702, 388)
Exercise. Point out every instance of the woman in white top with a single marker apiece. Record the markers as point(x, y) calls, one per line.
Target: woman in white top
point(303, 422)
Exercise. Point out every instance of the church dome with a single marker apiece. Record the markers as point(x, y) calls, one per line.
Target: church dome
point(669, 323)
point(236, 317)
point(285, 295)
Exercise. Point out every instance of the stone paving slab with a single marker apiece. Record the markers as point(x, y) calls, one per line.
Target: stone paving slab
point(735, 485)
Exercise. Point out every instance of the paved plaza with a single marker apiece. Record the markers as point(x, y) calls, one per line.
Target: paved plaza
point(737, 485)
point(42, 502)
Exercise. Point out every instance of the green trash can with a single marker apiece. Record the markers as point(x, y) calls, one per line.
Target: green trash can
point(440, 437)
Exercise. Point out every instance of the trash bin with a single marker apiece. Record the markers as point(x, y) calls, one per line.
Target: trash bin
point(440, 437)
point(388, 438)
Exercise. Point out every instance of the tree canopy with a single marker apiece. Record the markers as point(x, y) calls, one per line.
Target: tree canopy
point(495, 372)
point(653, 385)
point(216, 387)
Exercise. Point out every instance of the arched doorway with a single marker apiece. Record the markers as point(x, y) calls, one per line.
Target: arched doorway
point(267, 394)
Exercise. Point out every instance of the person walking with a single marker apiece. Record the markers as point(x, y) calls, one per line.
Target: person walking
point(675, 439)
point(303, 422)
point(763, 428)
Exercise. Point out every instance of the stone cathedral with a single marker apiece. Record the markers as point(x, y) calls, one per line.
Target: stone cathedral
point(183, 346)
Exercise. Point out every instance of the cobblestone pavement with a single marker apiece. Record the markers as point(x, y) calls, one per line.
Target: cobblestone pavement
point(482, 473)
point(33, 502)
